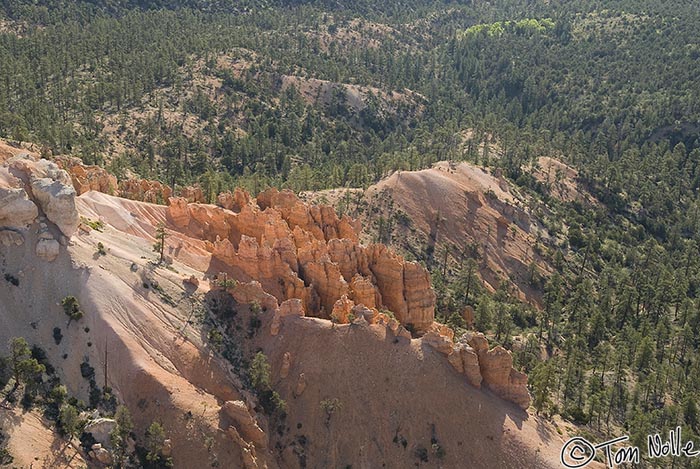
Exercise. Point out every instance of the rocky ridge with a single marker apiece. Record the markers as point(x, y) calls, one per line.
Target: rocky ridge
point(299, 259)
point(292, 258)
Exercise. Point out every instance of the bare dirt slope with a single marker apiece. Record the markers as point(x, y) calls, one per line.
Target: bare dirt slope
point(561, 180)
point(33, 443)
point(159, 372)
point(397, 398)
point(465, 209)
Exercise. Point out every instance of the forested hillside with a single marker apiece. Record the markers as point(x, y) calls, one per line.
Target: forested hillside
point(312, 95)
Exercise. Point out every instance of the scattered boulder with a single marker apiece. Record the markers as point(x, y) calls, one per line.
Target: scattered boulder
point(100, 429)
point(47, 249)
point(98, 453)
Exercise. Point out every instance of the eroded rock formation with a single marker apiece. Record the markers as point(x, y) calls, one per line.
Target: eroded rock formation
point(245, 423)
point(87, 178)
point(496, 367)
point(30, 187)
point(301, 260)
point(144, 190)
point(307, 252)
point(481, 366)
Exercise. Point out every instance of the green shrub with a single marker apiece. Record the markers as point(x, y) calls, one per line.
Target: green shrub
point(72, 308)
point(101, 251)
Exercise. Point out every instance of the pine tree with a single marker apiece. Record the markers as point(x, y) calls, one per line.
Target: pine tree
point(159, 245)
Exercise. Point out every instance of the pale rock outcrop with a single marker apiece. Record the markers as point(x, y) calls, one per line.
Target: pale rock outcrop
point(252, 292)
point(363, 291)
point(291, 307)
point(479, 343)
point(245, 423)
point(497, 370)
point(320, 220)
point(234, 202)
point(307, 259)
point(299, 251)
point(324, 275)
point(479, 364)
point(16, 210)
point(57, 201)
point(442, 330)
point(404, 286)
point(100, 429)
point(48, 186)
point(47, 249)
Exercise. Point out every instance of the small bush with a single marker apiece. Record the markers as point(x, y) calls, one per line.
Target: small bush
point(330, 407)
point(216, 339)
point(5, 457)
point(422, 454)
point(12, 279)
point(101, 251)
point(57, 336)
point(86, 371)
point(72, 308)
point(96, 225)
point(273, 403)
